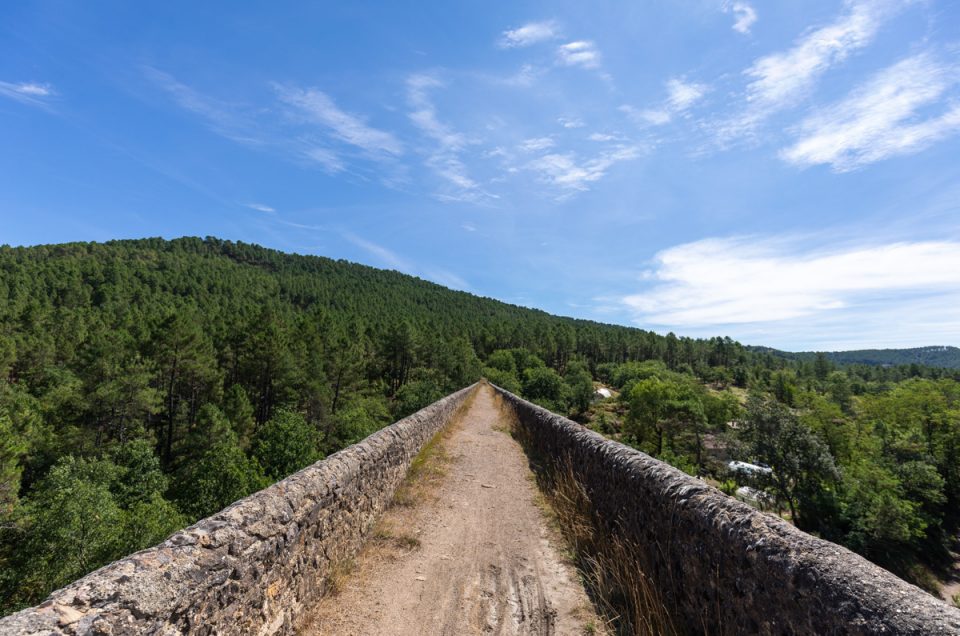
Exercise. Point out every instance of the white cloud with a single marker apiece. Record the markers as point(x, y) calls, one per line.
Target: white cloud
point(582, 53)
point(444, 160)
point(878, 119)
point(294, 137)
point(260, 207)
point(227, 120)
point(317, 107)
point(326, 158)
point(27, 92)
point(531, 33)
point(781, 80)
point(386, 256)
point(571, 122)
point(526, 76)
point(682, 95)
point(469, 227)
point(602, 137)
point(537, 144)
point(568, 173)
point(744, 16)
point(767, 283)
point(446, 278)
point(452, 169)
point(424, 112)
point(646, 116)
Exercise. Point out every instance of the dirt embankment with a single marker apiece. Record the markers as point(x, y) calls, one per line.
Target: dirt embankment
point(470, 552)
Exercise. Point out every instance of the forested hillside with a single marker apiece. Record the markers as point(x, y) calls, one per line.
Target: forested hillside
point(145, 384)
point(938, 356)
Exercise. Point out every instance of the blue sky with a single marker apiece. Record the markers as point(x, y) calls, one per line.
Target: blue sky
point(786, 173)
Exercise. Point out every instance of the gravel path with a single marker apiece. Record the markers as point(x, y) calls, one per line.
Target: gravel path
point(473, 555)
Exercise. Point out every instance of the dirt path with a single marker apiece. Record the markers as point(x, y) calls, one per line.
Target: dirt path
point(475, 555)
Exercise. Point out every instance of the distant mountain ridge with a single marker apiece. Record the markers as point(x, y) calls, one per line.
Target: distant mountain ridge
point(945, 357)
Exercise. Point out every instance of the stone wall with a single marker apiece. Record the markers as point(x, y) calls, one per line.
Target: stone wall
point(721, 566)
point(252, 567)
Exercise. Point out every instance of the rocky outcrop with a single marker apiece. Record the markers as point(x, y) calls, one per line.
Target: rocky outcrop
point(251, 568)
point(721, 566)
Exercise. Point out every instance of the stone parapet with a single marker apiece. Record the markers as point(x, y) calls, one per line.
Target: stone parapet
point(251, 568)
point(721, 566)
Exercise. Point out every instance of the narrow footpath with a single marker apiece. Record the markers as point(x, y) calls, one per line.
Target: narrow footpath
point(473, 554)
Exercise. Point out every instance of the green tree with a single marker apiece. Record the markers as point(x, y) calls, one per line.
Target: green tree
point(784, 388)
point(579, 385)
point(360, 417)
point(269, 367)
point(822, 366)
point(503, 360)
point(74, 525)
point(424, 388)
point(802, 465)
point(838, 387)
point(544, 386)
point(659, 409)
point(139, 475)
point(219, 472)
point(239, 411)
point(187, 374)
point(12, 449)
point(503, 379)
point(883, 523)
point(285, 444)
point(397, 354)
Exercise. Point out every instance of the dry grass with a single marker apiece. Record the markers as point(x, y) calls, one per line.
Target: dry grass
point(385, 543)
point(429, 467)
point(384, 534)
point(612, 568)
point(338, 575)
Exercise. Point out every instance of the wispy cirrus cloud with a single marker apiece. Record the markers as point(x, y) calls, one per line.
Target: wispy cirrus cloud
point(782, 79)
point(526, 76)
point(227, 120)
point(447, 143)
point(529, 34)
point(879, 119)
point(765, 282)
point(260, 207)
point(423, 112)
point(681, 95)
point(297, 137)
point(383, 254)
point(389, 258)
point(569, 173)
point(34, 93)
point(317, 107)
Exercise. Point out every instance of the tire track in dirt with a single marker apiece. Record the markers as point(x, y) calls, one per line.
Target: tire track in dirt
point(473, 555)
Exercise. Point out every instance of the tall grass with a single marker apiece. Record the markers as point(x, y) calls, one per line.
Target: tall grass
point(613, 568)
